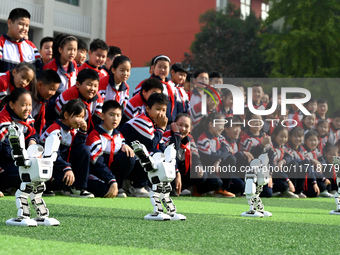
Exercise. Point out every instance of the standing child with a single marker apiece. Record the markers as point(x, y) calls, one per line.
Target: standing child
point(47, 86)
point(46, 52)
point(307, 123)
point(111, 159)
point(17, 110)
point(14, 47)
point(178, 77)
point(23, 75)
point(227, 102)
point(334, 128)
point(200, 82)
point(256, 96)
point(97, 56)
point(64, 52)
point(322, 127)
point(311, 105)
point(331, 151)
point(321, 110)
point(111, 55)
point(114, 86)
point(86, 89)
point(81, 52)
point(71, 167)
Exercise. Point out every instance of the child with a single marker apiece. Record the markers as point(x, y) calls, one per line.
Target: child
point(334, 128)
point(46, 52)
point(137, 105)
point(178, 77)
point(331, 151)
point(256, 142)
point(294, 112)
point(47, 86)
point(148, 128)
point(307, 123)
point(97, 56)
point(257, 95)
point(64, 52)
point(215, 78)
point(71, 167)
point(322, 108)
point(14, 47)
point(23, 75)
point(17, 110)
point(227, 102)
point(111, 55)
point(322, 127)
point(111, 159)
point(316, 158)
point(87, 90)
point(311, 105)
point(190, 172)
point(114, 86)
point(201, 80)
point(281, 181)
point(265, 98)
point(215, 151)
point(272, 120)
point(81, 52)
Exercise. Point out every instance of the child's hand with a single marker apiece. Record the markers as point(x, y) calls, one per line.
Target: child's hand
point(174, 127)
point(216, 165)
point(200, 172)
point(32, 141)
point(161, 121)
point(316, 189)
point(266, 140)
point(327, 182)
point(291, 186)
point(280, 163)
point(82, 124)
point(178, 183)
point(69, 178)
point(113, 191)
point(129, 152)
point(248, 155)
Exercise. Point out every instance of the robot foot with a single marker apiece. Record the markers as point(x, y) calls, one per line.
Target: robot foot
point(157, 217)
point(335, 212)
point(252, 214)
point(267, 214)
point(47, 221)
point(177, 216)
point(21, 222)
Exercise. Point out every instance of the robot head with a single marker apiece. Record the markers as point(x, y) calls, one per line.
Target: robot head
point(35, 151)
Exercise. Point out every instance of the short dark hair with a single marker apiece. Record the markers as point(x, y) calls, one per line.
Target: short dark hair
point(182, 114)
point(152, 83)
point(336, 114)
point(49, 76)
point(199, 71)
point(215, 74)
point(157, 98)
point(328, 147)
point(19, 13)
point(120, 60)
point(111, 104)
point(178, 67)
point(311, 133)
point(232, 120)
point(320, 122)
point(113, 51)
point(82, 45)
point(322, 101)
point(98, 44)
point(277, 130)
point(296, 131)
point(226, 92)
point(73, 107)
point(45, 39)
point(87, 74)
point(311, 100)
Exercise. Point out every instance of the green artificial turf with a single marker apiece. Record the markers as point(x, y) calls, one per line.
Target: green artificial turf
point(213, 226)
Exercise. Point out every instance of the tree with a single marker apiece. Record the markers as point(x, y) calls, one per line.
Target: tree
point(307, 44)
point(228, 44)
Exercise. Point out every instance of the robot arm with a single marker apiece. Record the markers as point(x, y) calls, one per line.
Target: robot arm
point(17, 143)
point(52, 144)
point(145, 159)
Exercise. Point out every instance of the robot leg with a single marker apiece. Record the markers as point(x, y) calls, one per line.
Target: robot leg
point(169, 204)
point(155, 198)
point(258, 203)
point(336, 160)
point(40, 207)
point(24, 214)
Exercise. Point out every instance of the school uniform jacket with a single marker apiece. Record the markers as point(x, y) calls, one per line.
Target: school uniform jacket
point(13, 53)
point(182, 99)
point(38, 113)
point(101, 71)
point(135, 106)
point(68, 79)
point(142, 129)
point(101, 148)
point(334, 134)
point(281, 153)
point(212, 148)
point(315, 154)
point(93, 106)
point(69, 138)
point(252, 143)
point(7, 84)
point(108, 91)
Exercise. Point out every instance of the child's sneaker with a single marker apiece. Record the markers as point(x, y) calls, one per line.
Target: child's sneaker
point(138, 192)
point(223, 193)
point(288, 194)
point(121, 193)
point(81, 193)
point(325, 194)
point(301, 195)
point(48, 193)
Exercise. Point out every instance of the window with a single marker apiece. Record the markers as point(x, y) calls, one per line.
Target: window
point(264, 10)
point(73, 2)
point(245, 8)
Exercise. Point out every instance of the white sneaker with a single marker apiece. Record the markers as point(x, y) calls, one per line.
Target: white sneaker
point(185, 192)
point(81, 193)
point(121, 193)
point(325, 194)
point(138, 192)
point(288, 194)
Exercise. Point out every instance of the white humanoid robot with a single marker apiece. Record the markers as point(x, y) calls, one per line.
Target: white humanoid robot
point(161, 172)
point(256, 177)
point(35, 168)
point(336, 195)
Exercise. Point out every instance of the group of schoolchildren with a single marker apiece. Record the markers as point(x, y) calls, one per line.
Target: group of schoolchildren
point(89, 103)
